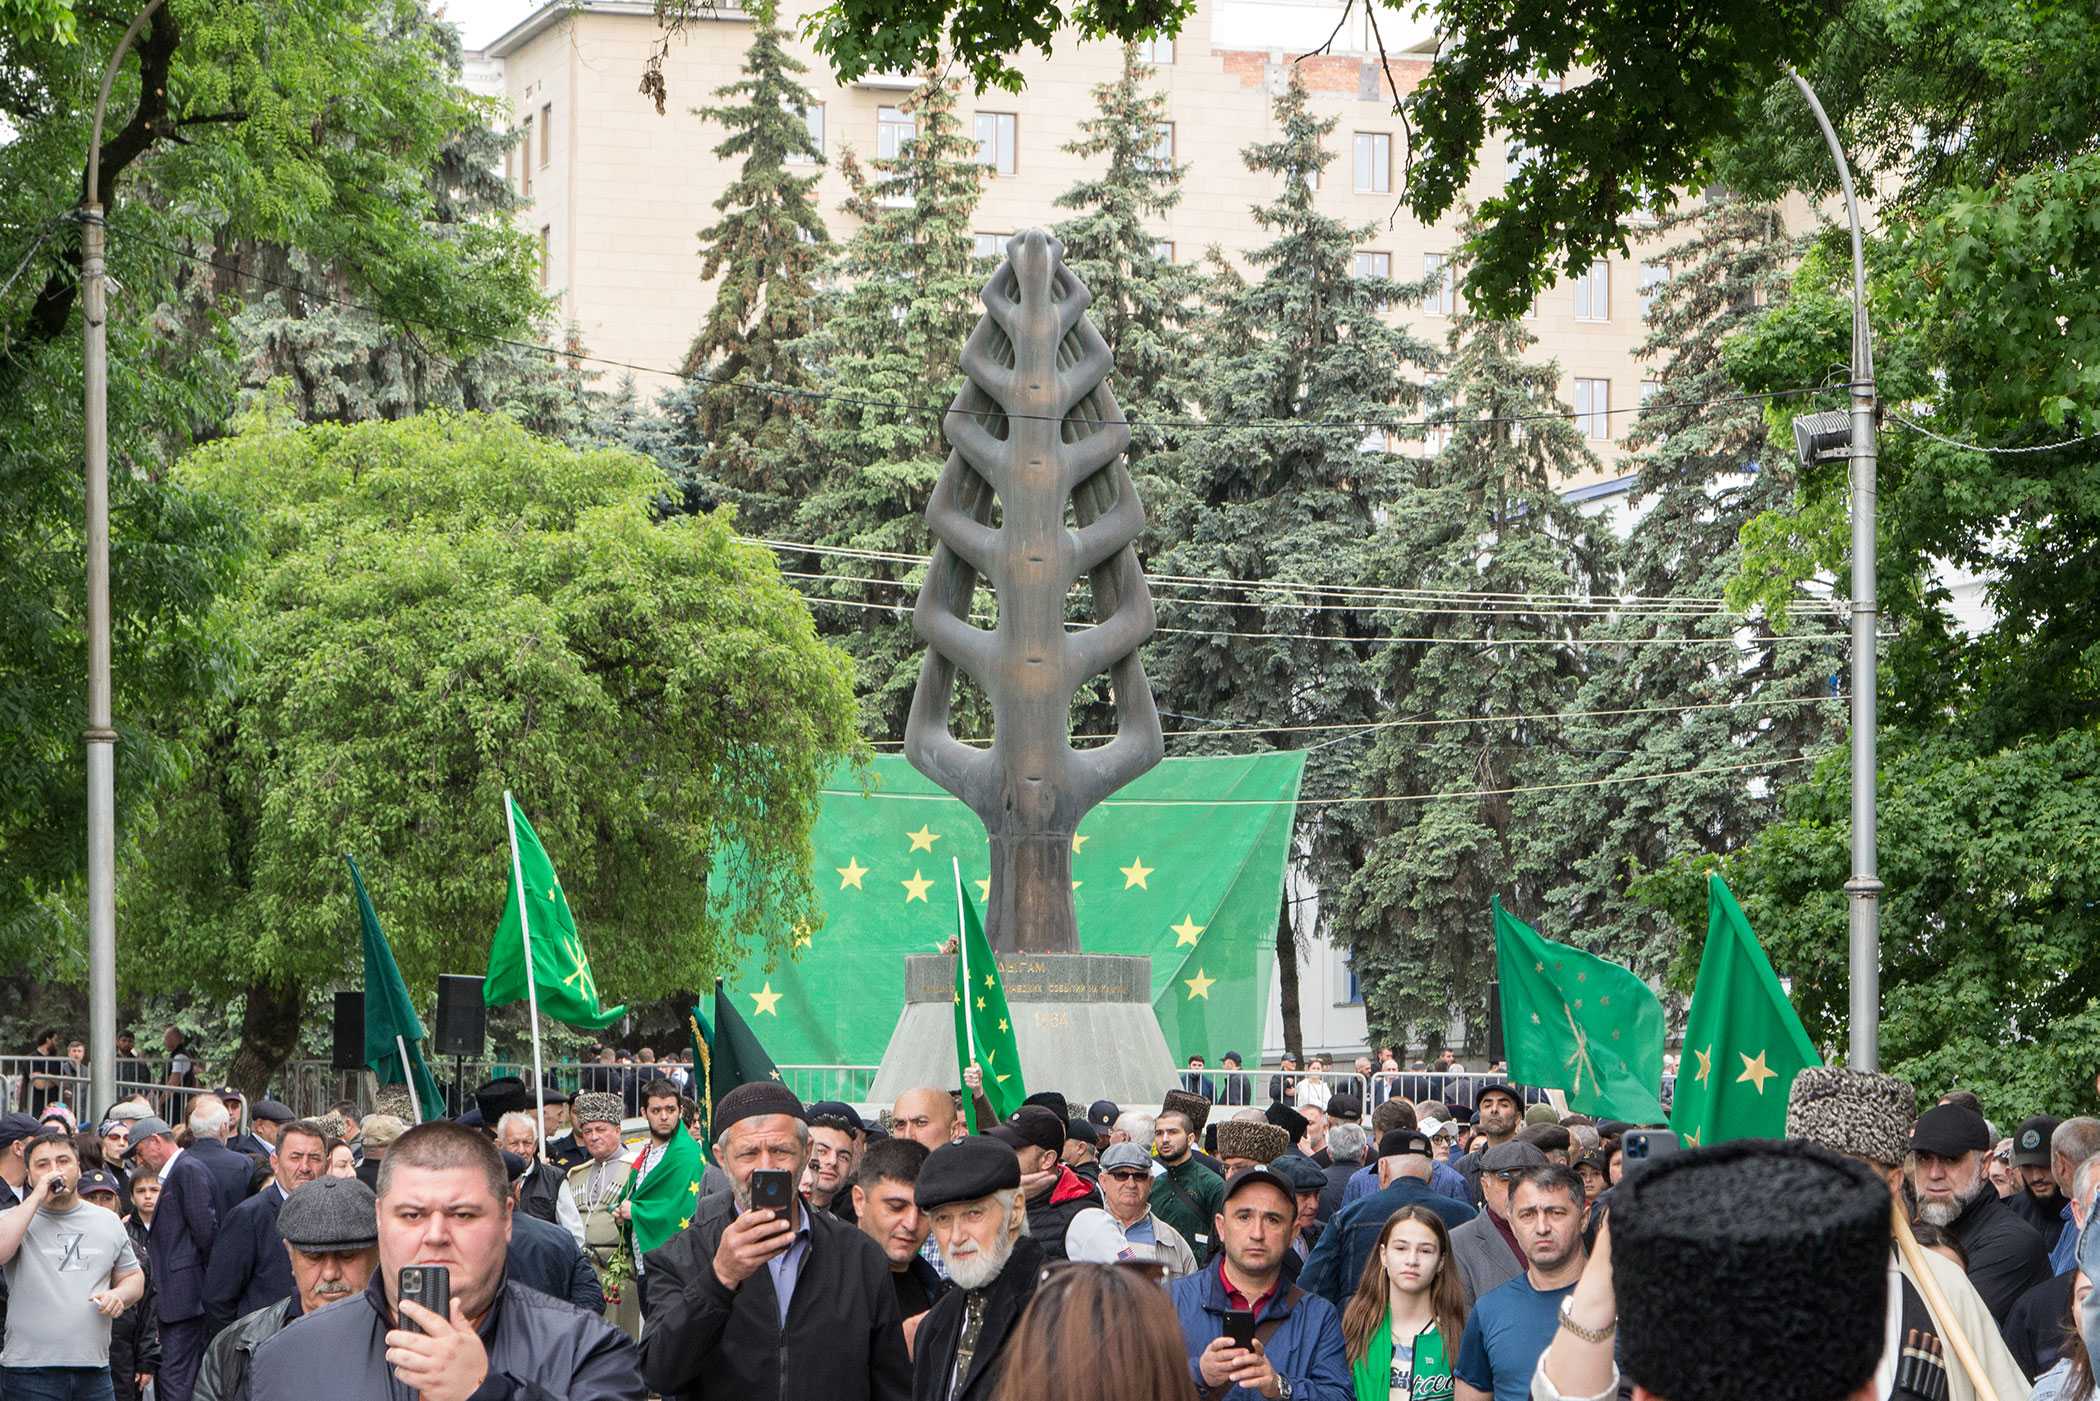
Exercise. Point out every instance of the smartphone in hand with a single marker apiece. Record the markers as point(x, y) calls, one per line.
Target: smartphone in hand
point(772, 1190)
point(1239, 1327)
point(428, 1285)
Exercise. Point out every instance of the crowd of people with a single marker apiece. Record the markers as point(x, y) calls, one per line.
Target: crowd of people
point(1315, 1248)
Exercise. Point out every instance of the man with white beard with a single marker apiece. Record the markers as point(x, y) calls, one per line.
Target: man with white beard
point(2006, 1256)
point(971, 1191)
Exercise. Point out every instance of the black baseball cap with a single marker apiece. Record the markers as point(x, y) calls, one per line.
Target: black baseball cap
point(1256, 1176)
point(96, 1180)
point(1399, 1143)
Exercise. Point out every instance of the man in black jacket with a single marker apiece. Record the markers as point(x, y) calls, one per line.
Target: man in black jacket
point(2007, 1257)
point(753, 1305)
point(1054, 1193)
point(249, 1269)
point(232, 1174)
point(443, 1200)
point(545, 1257)
point(971, 1190)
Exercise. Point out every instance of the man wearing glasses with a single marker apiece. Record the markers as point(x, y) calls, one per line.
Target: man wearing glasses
point(1126, 1185)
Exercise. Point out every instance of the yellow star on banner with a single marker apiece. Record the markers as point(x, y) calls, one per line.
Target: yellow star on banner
point(850, 873)
point(916, 888)
point(694, 1189)
point(958, 999)
point(980, 1004)
point(923, 839)
point(1003, 1027)
point(1186, 931)
point(764, 1002)
point(1075, 885)
point(989, 981)
point(984, 889)
point(684, 1221)
point(802, 936)
point(1535, 1019)
point(1706, 1065)
point(1078, 842)
point(1135, 873)
point(1199, 986)
point(1756, 1071)
point(1691, 1140)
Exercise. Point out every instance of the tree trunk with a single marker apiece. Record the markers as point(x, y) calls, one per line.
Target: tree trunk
point(1287, 980)
point(269, 1035)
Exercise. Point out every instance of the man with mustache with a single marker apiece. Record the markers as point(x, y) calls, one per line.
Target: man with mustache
point(330, 1228)
point(971, 1191)
point(2006, 1256)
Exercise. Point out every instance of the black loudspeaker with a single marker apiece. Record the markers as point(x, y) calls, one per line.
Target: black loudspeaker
point(349, 1053)
point(1495, 1051)
point(462, 1020)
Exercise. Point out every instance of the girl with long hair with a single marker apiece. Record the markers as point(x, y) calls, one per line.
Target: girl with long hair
point(1096, 1333)
point(1403, 1324)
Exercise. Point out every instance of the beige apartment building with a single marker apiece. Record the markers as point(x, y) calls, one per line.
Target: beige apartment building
point(617, 194)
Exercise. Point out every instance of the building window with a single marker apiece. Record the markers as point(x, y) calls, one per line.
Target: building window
point(1312, 180)
point(546, 133)
point(510, 165)
point(1649, 389)
point(995, 141)
point(1593, 407)
point(1162, 153)
point(1593, 293)
point(525, 159)
point(1157, 52)
point(1163, 249)
point(1653, 276)
point(813, 123)
point(989, 245)
point(1443, 295)
point(1374, 163)
point(894, 129)
point(1352, 992)
point(546, 253)
point(1374, 264)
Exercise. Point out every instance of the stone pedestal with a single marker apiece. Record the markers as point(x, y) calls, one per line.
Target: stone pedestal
point(1083, 1022)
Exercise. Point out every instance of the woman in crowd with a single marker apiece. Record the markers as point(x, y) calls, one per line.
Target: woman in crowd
point(2071, 1379)
point(341, 1161)
point(1113, 1317)
point(1403, 1324)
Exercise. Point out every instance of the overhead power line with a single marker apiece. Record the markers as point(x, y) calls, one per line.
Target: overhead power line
point(1995, 452)
point(1375, 799)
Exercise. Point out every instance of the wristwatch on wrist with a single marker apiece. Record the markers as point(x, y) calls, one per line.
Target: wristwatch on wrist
point(1588, 1335)
point(1283, 1387)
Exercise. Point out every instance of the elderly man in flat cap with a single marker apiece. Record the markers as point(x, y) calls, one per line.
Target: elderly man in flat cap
point(331, 1239)
point(1867, 1117)
point(971, 1191)
point(596, 1184)
point(752, 1301)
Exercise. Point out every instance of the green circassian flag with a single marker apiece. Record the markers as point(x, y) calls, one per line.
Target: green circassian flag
point(661, 1200)
point(561, 970)
point(393, 1031)
point(1743, 1044)
point(984, 1032)
point(726, 1053)
point(1575, 1022)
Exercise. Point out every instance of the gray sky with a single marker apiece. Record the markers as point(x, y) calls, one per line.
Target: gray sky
point(482, 21)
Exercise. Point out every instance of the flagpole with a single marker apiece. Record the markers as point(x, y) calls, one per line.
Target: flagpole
point(408, 1073)
point(532, 987)
point(962, 966)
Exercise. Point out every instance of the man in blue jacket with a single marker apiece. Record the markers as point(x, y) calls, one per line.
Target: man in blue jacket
point(249, 1269)
point(232, 1174)
point(178, 1251)
point(1297, 1352)
point(1337, 1262)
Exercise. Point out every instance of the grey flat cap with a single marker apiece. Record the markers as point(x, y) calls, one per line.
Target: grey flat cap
point(272, 1112)
point(330, 1213)
point(148, 1127)
point(1513, 1154)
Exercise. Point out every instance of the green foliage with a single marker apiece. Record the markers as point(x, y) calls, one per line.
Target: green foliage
point(1483, 516)
point(1308, 385)
point(906, 36)
point(767, 248)
point(891, 335)
point(445, 607)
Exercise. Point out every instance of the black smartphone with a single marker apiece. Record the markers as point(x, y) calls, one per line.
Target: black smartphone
point(1644, 1146)
point(1239, 1327)
point(428, 1285)
point(771, 1188)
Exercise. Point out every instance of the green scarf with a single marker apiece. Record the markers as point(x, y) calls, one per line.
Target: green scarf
point(1373, 1372)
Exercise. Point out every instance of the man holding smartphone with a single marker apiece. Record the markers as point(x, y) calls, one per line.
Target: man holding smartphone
point(71, 1271)
point(761, 1298)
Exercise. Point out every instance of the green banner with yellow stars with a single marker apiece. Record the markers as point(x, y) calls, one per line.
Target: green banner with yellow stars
point(1575, 1022)
point(984, 1031)
point(538, 906)
point(1184, 865)
point(1743, 1044)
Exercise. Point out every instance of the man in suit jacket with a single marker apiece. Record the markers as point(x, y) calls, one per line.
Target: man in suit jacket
point(249, 1268)
point(178, 1249)
point(232, 1174)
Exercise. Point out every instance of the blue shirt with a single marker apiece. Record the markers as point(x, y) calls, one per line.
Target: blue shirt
point(1444, 1180)
point(786, 1267)
point(2064, 1254)
point(1508, 1331)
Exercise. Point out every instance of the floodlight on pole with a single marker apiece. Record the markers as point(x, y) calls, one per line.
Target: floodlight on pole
point(1826, 437)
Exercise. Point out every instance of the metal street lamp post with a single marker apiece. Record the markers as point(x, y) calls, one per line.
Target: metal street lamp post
point(1824, 437)
point(101, 736)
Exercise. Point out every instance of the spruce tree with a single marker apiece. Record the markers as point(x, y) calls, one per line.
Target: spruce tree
point(1305, 384)
point(1698, 481)
point(764, 255)
point(886, 347)
point(1482, 525)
